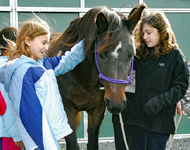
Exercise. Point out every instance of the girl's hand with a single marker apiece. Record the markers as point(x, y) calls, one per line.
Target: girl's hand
point(19, 144)
point(179, 108)
point(59, 53)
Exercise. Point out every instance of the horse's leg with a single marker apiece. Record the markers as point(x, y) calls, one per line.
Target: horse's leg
point(95, 119)
point(74, 120)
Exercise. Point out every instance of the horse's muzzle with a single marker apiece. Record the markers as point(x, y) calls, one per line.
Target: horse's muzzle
point(113, 108)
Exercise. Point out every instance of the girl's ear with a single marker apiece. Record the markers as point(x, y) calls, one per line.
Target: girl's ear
point(27, 41)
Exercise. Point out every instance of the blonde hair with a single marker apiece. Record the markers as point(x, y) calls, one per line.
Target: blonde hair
point(167, 41)
point(32, 29)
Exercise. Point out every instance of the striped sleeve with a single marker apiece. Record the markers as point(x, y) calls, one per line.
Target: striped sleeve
point(68, 61)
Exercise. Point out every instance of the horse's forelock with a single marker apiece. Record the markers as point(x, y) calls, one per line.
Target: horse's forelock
point(112, 15)
point(86, 28)
point(114, 31)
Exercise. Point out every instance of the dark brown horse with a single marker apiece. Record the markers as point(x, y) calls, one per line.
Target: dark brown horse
point(80, 88)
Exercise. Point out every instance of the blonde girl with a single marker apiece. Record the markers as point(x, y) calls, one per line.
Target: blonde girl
point(30, 80)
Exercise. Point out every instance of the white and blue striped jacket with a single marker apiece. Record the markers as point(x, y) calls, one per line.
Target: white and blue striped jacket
point(33, 91)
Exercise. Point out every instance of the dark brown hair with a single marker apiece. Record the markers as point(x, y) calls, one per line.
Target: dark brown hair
point(167, 41)
point(7, 34)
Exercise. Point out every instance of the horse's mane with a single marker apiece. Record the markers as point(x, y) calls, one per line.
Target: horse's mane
point(86, 28)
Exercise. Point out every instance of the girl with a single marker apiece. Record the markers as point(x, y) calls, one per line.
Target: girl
point(30, 80)
point(161, 75)
point(9, 134)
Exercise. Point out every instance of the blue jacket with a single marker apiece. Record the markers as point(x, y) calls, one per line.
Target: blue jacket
point(33, 91)
point(8, 127)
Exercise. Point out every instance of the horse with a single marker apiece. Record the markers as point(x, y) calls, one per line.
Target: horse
point(108, 48)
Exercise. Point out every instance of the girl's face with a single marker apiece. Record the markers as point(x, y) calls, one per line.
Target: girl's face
point(150, 35)
point(38, 46)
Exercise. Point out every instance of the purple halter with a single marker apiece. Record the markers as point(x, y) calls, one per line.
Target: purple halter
point(101, 76)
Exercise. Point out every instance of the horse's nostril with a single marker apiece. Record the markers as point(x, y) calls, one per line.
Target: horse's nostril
point(115, 108)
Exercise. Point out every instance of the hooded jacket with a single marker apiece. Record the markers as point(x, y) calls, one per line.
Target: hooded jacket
point(8, 127)
point(34, 93)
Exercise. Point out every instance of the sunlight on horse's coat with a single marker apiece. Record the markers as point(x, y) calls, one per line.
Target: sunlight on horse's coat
point(115, 52)
point(133, 43)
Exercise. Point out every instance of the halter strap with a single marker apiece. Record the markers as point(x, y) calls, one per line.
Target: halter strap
point(101, 76)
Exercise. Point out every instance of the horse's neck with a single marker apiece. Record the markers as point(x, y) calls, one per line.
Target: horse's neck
point(87, 70)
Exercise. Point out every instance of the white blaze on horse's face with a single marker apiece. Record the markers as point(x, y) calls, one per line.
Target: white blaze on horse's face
point(115, 52)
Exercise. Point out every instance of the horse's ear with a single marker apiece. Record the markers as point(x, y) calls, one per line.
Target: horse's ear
point(132, 11)
point(102, 22)
point(134, 16)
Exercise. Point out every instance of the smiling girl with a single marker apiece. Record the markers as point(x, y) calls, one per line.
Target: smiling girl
point(30, 80)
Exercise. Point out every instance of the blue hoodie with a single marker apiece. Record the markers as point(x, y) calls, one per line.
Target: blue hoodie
point(8, 127)
point(34, 93)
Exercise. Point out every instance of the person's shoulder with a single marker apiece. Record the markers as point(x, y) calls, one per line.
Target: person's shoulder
point(3, 62)
point(177, 53)
point(25, 61)
point(24, 65)
point(3, 59)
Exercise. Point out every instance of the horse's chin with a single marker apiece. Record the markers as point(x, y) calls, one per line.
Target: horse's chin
point(115, 109)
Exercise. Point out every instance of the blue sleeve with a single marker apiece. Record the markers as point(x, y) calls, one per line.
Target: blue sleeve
point(70, 59)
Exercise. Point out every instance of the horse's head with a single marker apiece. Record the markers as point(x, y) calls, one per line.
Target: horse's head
point(115, 49)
